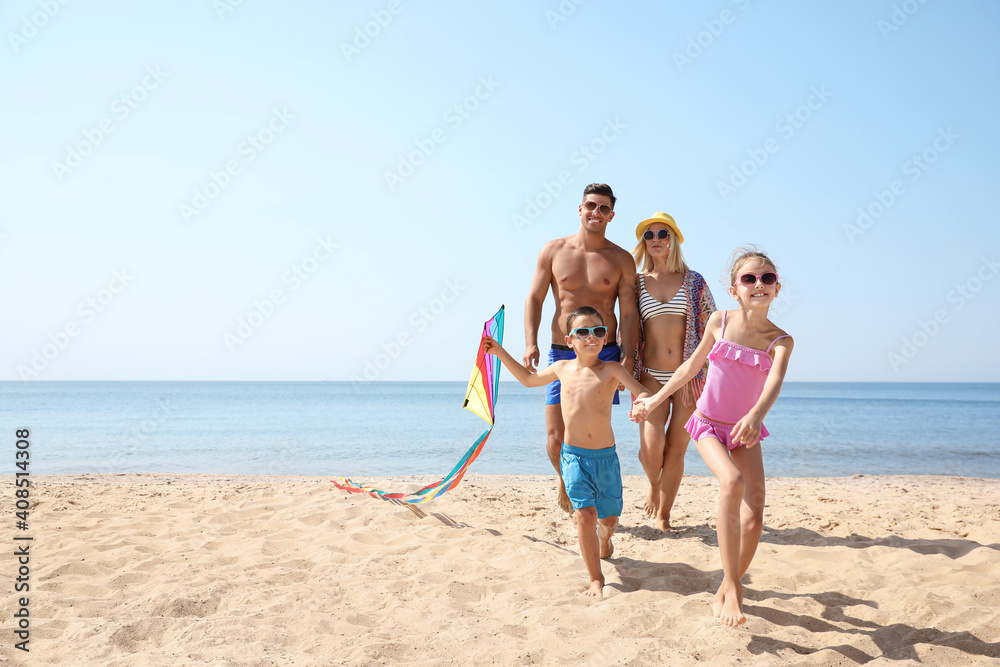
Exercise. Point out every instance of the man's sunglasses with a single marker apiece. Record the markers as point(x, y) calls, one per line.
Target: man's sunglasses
point(603, 209)
point(661, 234)
point(583, 333)
point(750, 279)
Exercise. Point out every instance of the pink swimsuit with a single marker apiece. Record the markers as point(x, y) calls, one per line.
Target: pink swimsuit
point(735, 381)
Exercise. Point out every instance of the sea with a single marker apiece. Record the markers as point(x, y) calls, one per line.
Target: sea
point(363, 429)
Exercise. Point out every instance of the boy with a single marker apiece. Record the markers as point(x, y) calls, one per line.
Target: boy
point(589, 462)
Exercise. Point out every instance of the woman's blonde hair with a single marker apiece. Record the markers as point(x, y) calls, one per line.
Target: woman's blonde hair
point(675, 257)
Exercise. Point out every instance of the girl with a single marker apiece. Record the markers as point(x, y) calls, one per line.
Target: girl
point(674, 305)
point(749, 356)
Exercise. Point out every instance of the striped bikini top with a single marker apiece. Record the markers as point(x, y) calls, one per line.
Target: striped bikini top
point(650, 307)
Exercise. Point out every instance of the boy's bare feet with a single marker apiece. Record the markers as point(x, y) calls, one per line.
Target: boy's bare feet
point(595, 590)
point(662, 523)
point(604, 534)
point(607, 547)
point(564, 504)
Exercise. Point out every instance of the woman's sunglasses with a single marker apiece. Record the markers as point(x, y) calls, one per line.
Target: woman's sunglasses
point(603, 209)
point(661, 234)
point(750, 279)
point(583, 333)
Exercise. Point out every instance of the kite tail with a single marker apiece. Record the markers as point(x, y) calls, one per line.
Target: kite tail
point(480, 399)
point(452, 479)
point(429, 492)
point(345, 484)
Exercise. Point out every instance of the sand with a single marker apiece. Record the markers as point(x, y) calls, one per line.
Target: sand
point(162, 569)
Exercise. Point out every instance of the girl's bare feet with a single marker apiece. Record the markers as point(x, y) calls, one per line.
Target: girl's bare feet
point(720, 597)
point(731, 609)
point(650, 506)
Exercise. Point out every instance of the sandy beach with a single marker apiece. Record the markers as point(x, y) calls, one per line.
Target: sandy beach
point(160, 569)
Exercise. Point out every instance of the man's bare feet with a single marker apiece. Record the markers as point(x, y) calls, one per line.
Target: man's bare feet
point(564, 504)
point(652, 498)
point(731, 611)
point(595, 590)
point(662, 523)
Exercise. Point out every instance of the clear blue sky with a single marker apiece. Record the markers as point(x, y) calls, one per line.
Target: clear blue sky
point(170, 169)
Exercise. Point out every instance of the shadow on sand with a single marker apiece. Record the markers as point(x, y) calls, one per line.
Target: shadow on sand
point(897, 641)
point(803, 537)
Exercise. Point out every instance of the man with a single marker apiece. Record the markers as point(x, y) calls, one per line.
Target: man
point(584, 269)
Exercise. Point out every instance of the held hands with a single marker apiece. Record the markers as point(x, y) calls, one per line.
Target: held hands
point(640, 409)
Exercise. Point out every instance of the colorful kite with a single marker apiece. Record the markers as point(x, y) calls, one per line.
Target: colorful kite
point(480, 398)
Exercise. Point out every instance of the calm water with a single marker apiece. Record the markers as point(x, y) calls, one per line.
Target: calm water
point(419, 428)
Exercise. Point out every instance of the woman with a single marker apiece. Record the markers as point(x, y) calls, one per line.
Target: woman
point(674, 305)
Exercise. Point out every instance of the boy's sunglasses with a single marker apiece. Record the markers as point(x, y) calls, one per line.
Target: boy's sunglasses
point(750, 279)
point(660, 234)
point(604, 209)
point(583, 333)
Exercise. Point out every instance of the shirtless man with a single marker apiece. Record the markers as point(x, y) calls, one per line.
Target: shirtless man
point(584, 269)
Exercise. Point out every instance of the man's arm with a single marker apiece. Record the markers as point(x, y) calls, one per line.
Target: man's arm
point(533, 306)
point(628, 321)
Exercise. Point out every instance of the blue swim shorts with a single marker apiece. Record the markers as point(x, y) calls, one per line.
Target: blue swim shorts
point(560, 352)
point(593, 478)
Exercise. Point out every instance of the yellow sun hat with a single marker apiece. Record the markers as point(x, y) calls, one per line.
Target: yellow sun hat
point(662, 218)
